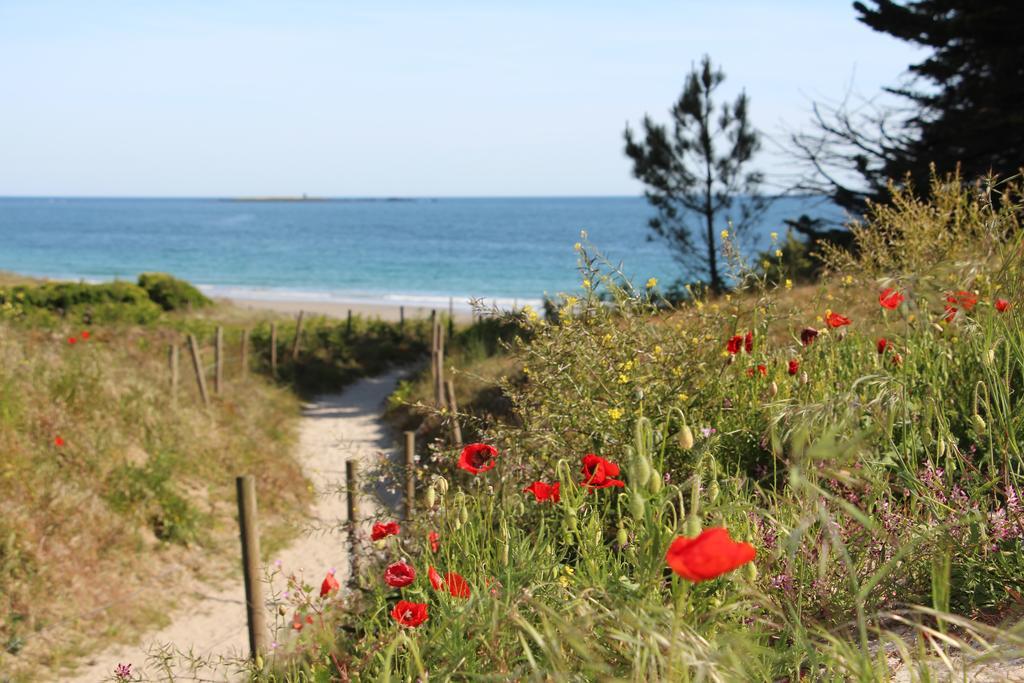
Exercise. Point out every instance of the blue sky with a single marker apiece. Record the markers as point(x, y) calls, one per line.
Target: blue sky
point(227, 98)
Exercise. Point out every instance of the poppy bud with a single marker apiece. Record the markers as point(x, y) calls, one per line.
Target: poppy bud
point(773, 389)
point(521, 507)
point(570, 519)
point(926, 438)
point(456, 525)
point(979, 423)
point(750, 572)
point(504, 554)
point(655, 483)
point(259, 662)
point(431, 497)
point(642, 470)
point(685, 438)
point(941, 449)
point(990, 357)
point(713, 491)
point(621, 537)
point(442, 485)
point(636, 504)
point(463, 514)
point(281, 610)
point(692, 527)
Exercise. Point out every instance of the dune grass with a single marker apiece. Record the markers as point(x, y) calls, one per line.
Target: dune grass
point(878, 484)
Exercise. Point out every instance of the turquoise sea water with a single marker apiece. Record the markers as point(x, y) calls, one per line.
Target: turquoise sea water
point(417, 252)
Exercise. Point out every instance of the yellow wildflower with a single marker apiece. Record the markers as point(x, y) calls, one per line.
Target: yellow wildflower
point(652, 283)
point(615, 414)
point(586, 283)
point(577, 246)
point(658, 350)
point(774, 236)
point(725, 234)
point(789, 283)
point(778, 253)
point(623, 379)
point(683, 398)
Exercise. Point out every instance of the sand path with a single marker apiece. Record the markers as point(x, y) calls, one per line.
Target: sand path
point(211, 621)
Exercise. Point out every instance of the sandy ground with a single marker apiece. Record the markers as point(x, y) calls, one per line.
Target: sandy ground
point(211, 621)
point(385, 312)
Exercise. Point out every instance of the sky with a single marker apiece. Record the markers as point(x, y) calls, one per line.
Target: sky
point(444, 98)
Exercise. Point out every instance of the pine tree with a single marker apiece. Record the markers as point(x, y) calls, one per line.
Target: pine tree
point(963, 105)
point(696, 171)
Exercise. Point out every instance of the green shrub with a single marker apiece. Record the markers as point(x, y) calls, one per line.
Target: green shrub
point(170, 293)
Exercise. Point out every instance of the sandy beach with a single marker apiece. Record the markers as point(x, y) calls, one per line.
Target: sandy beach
point(389, 312)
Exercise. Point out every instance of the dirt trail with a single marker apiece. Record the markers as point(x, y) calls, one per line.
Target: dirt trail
point(211, 622)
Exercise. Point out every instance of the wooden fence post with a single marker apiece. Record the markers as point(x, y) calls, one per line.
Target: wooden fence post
point(245, 352)
point(197, 364)
point(249, 533)
point(298, 336)
point(401, 317)
point(454, 407)
point(348, 323)
point(352, 511)
point(439, 385)
point(451, 317)
point(410, 473)
point(273, 349)
point(172, 362)
point(218, 359)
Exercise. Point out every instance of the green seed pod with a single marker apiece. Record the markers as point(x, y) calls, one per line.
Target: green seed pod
point(685, 438)
point(979, 423)
point(941, 447)
point(431, 497)
point(750, 572)
point(621, 537)
point(504, 554)
point(692, 527)
point(655, 482)
point(570, 519)
point(713, 491)
point(636, 504)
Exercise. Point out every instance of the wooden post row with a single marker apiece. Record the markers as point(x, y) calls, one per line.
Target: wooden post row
point(298, 336)
point(439, 388)
point(273, 349)
point(401, 317)
point(410, 473)
point(246, 489)
point(348, 323)
point(197, 364)
point(218, 359)
point(451, 317)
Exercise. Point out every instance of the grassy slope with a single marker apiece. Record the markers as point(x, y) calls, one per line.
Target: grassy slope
point(868, 486)
point(95, 534)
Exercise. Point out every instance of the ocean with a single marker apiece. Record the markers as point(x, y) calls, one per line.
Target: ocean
point(406, 251)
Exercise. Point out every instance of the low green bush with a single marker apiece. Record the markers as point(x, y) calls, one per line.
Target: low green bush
point(172, 294)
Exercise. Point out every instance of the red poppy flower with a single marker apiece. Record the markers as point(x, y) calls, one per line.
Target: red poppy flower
point(598, 473)
point(890, 298)
point(794, 366)
point(399, 575)
point(808, 335)
point(58, 441)
point(435, 579)
point(297, 621)
point(329, 585)
point(72, 340)
point(410, 614)
point(881, 345)
point(897, 359)
point(478, 457)
point(710, 554)
point(835, 320)
point(84, 335)
point(962, 299)
point(760, 369)
point(457, 585)
point(435, 541)
point(379, 530)
point(748, 342)
point(734, 344)
point(542, 492)
point(1002, 305)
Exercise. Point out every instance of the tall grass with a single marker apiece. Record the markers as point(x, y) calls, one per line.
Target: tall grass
point(879, 487)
